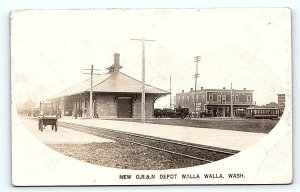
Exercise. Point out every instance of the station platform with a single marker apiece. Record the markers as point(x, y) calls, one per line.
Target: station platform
point(236, 140)
point(63, 135)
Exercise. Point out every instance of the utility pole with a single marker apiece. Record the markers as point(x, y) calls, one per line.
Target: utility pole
point(231, 103)
point(91, 89)
point(143, 76)
point(170, 92)
point(196, 59)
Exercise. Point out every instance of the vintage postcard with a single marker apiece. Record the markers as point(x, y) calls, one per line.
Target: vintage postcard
point(151, 96)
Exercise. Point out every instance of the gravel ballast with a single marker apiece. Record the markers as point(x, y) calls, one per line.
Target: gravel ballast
point(124, 156)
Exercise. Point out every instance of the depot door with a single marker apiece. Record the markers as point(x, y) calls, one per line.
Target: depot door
point(124, 107)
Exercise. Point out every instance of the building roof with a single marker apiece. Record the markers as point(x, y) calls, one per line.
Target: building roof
point(120, 82)
point(217, 90)
point(239, 90)
point(111, 83)
point(82, 86)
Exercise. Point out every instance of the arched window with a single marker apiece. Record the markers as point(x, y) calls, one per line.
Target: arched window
point(248, 98)
point(236, 98)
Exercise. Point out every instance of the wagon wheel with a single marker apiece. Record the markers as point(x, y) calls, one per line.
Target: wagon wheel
point(181, 116)
point(40, 125)
point(56, 126)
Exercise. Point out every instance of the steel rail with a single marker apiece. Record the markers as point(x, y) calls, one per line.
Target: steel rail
point(137, 143)
point(159, 139)
point(171, 141)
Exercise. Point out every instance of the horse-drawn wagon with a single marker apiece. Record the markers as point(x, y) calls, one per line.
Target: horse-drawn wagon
point(47, 120)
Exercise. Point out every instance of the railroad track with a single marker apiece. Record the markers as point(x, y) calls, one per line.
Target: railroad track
point(205, 154)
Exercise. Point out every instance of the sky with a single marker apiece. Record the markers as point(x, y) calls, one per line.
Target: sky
point(250, 48)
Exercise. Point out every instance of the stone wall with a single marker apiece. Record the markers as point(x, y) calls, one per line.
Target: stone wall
point(106, 105)
point(136, 108)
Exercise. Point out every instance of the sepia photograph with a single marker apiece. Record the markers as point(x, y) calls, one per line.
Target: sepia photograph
point(151, 96)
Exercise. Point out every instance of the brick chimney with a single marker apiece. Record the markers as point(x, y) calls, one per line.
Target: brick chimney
point(182, 91)
point(192, 89)
point(201, 88)
point(117, 66)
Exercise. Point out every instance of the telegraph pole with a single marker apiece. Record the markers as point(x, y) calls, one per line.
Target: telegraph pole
point(91, 89)
point(143, 76)
point(231, 103)
point(196, 60)
point(170, 92)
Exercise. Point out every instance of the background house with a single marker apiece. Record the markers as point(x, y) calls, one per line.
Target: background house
point(217, 101)
point(281, 103)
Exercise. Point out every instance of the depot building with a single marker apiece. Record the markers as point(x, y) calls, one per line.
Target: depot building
point(115, 95)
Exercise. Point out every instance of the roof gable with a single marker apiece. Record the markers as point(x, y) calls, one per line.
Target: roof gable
point(117, 83)
point(120, 82)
